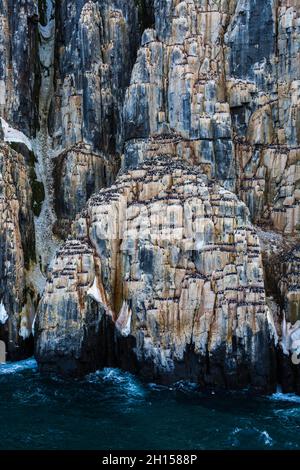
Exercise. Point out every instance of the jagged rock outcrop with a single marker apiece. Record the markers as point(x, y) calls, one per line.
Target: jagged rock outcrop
point(16, 252)
point(96, 44)
point(70, 323)
point(78, 173)
point(191, 99)
point(64, 70)
point(95, 50)
point(19, 64)
point(281, 259)
point(262, 75)
point(19, 84)
point(171, 259)
point(218, 83)
point(178, 91)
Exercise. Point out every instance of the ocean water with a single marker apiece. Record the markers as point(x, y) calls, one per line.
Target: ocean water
point(112, 409)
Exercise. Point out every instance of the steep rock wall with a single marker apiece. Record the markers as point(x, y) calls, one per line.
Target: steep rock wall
point(19, 64)
point(214, 83)
point(177, 92)
point(262, 69)
point(172, 260)
point(16, 253)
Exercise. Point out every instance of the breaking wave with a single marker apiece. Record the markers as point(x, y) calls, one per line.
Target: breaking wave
point(113, 409)
point(123, 382)
point(20, 366)
point(289, 397)
point(239, 437)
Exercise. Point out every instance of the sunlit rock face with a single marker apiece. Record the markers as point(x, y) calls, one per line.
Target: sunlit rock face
point(224, 95)
point(16, 241)
point(197, 102)
point(218, 83)
point(77, 174)
point(262, 69)
point(281, 259)
point(73, 331)
point(171, 260)
point(64, 69)
point(178, 92)
point(19, 82)
point(96, 44)
point(95, 49)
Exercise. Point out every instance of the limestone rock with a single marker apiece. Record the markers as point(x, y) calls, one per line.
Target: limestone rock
point(197, 101)
point(281, 256)
point(78, 173)
point(262, 72)
point(96, 44)
point(63, 74)
point(16, 245)
point(87, 53)
point(70, 322)
point(217, 82)
point(172, 259)
point(178, 92)
point(19, 70)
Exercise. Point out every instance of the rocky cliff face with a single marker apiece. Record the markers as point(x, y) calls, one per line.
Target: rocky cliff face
point(172, 260)
point(19, 69)
point(17, 252)
point(160, 139)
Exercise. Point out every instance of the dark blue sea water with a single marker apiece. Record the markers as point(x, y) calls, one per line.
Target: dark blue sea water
point(114, 410)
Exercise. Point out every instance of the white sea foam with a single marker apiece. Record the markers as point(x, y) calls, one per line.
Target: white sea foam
point(290, 397)
point(266, 438)
point(288, 412)
point(239, 435)
point(15, 367)
point(125, 381)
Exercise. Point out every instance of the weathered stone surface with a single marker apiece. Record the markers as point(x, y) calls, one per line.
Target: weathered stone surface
point(262, 76)
point(19, 64)
point(70, 323)
point(96, 44)
point(173, 261)
point(87, 52)
point(178, 89)
point(281, 257)
point(16, 245)
point(87, 87)
point(64, 69)
point(19, 82)
point(78, 173)
point(220, 79)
